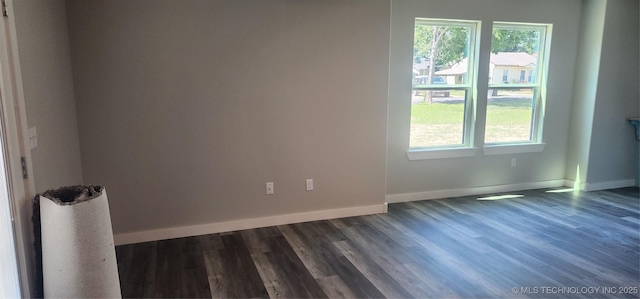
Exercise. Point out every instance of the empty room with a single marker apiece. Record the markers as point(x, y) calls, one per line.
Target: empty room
point(323, 148)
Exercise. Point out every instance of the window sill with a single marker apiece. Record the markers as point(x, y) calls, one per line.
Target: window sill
point(444, 153)
point(505, 149)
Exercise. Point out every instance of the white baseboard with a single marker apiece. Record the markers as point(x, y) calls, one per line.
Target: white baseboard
point(228, 226)
point(602, 185)
point(393, 198)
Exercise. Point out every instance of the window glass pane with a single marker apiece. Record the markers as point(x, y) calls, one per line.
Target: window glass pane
point(514, 53)
point(439, 123)
point(441, 52)
point(509, 115)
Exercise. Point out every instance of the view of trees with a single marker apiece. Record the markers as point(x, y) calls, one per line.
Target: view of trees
point(509, 40)
point(447, 48)
point(447, 45)
point(450, 43)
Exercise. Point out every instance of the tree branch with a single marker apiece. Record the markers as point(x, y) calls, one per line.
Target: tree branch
point(441, 33)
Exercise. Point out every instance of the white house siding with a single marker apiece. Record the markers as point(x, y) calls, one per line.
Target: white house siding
point(512, 76)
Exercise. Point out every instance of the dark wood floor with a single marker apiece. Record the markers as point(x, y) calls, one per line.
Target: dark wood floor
point(541, 245)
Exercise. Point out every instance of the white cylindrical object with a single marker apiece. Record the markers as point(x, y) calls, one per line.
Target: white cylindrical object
point(78, 252)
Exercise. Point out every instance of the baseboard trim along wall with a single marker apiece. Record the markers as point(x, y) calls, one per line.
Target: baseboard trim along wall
point(228, 226)
point(394, 198)
point(602, 185)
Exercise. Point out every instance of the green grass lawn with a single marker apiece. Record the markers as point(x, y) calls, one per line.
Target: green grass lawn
point(457, 93)
point(508, 119)
point(500, 113)
point(436, 113)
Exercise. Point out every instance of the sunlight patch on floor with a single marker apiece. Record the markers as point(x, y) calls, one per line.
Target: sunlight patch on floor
point(498, 197)
point(565, 190)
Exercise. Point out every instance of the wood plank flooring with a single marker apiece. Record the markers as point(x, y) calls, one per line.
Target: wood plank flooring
point(541, 245)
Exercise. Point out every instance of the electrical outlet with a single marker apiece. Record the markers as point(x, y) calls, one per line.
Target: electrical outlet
point(309, 184)
point(513, 162)
point(269, 188)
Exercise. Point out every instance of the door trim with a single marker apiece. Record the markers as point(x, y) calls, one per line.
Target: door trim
point(14, 130)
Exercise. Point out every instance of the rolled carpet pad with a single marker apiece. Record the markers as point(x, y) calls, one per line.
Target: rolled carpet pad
point(78, 252)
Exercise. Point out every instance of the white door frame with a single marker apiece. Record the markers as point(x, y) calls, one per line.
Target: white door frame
point(14, 130)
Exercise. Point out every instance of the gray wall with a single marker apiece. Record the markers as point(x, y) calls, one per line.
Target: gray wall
point(613, 156)
point(45, 62)
point(585, 88)
point(187, 108)
point(404, 176)
point(602, 145)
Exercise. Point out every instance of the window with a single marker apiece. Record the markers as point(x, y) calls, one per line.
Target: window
point(514, 108)
point(443, 54)
point(444, 85)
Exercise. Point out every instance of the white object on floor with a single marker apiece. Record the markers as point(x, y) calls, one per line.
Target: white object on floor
point(78, 252)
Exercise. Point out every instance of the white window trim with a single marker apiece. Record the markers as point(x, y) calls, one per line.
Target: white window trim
point(539, 87)
point(441, 153)
point(455, 150)
point(507, 149)
point(469, 149)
